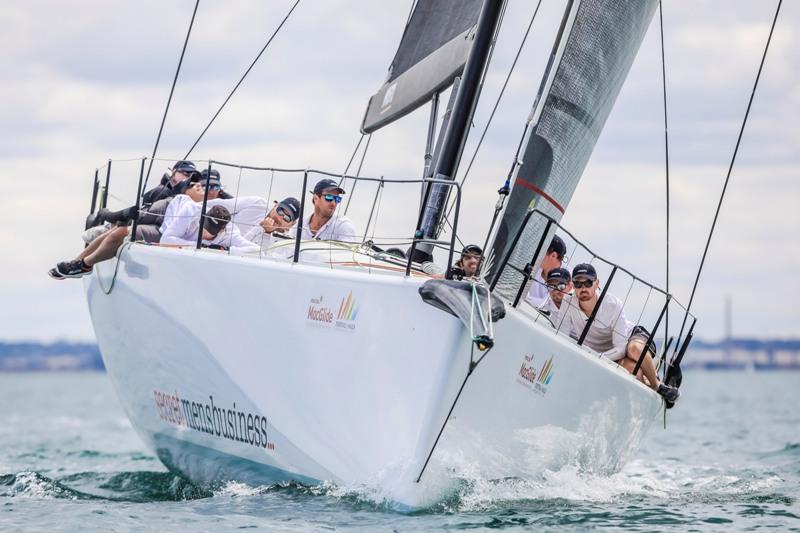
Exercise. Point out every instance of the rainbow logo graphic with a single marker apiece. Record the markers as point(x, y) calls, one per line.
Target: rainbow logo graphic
point(546, 373)
point(348, 310)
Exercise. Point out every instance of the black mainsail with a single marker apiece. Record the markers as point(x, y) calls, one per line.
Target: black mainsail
point(597, 44)
point(432, 52)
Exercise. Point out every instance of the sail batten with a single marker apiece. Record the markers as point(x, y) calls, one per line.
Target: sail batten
point(589, 64)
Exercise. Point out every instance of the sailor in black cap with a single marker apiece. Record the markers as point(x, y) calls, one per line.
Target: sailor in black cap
point(218, 231)
point(323, 223)
point(181, 171)
point(537, 292)
point(559, 284)
point(280, 218)
point(468, 265)
point(610, 333)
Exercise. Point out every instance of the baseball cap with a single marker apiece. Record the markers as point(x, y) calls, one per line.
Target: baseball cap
point(290, 206)
point(585, 270)
point(216, 219)
point(557, 245)
point(472, 249)
point(560, 275)
point(325, 184)
point(214, 178)
point(184, 166)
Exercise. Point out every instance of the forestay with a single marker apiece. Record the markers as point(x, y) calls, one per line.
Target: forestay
point(597, 43)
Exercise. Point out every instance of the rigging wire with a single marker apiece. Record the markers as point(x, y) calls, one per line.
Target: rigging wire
point(494, 109)
point(730, 169)
point(358, 173)
point(242, 78)
point(666, 157)
point(350, 162)
point(171, 91)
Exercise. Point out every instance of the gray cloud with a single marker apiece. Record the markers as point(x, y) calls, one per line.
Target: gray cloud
point(84, 81)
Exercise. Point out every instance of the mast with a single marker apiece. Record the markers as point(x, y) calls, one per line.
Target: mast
point(457, 130)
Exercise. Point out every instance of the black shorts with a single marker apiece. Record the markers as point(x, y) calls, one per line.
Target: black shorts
point(641, 333)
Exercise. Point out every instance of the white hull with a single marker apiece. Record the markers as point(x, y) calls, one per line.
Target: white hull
point(353, 392)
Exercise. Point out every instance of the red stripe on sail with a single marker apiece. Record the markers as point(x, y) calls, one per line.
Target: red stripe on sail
point(540, 192)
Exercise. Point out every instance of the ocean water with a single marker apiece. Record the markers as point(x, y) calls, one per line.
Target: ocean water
point(729, 460)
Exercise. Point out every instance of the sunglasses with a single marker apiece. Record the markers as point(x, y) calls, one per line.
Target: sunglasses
point(557, 286)
point(331, 197)
point(282, 212)
point(214, 187)
point(585, 284)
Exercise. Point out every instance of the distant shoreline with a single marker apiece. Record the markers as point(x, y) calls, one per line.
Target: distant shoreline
point(59, 356)
point(732, 354)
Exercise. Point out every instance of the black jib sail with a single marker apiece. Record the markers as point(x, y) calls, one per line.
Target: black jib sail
point(596, 46)
point(432, 52)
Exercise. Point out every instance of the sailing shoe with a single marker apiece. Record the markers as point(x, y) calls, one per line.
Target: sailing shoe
point(54, 273)
point(670, 394)
point(73, 269)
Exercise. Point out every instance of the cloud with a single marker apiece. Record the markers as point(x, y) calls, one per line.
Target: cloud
point(94, 86)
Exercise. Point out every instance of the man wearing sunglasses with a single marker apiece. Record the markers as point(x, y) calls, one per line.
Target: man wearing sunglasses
point(323, 223)
point(559, 284)
point(610, 334)
point(537, 292)
point(282, 217)
point(167, 188)
point(214, 182)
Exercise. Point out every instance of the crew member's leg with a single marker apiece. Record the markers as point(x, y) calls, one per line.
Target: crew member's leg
point(647, 371)
point(107, 248)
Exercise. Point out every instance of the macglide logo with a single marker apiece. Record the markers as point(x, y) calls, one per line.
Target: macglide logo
point(319, 314)
point(533, 379)
point(344, 317)
point(230, 424)
point(348, 312)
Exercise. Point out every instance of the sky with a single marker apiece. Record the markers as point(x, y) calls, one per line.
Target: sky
point(87, 81)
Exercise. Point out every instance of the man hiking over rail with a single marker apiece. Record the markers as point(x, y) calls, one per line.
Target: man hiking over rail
point(610, 334)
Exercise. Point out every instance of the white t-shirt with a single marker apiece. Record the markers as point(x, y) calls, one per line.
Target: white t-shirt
point(264, 242)
point(609, 332)
point(337, 228)
point(537, 291)
point(182, 229)
point(178, 201)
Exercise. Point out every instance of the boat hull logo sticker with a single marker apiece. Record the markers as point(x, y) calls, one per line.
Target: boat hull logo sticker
point(348, 313)
point(535, 377)
point(319, 314)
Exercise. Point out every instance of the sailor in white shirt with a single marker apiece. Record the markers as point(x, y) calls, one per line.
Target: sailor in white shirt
point(559, 286)
point(537, 292)
point(280, 218)
point(610, 334)
point(323, 223)
point(217, 232)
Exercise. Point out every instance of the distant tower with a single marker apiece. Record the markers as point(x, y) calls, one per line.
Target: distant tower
point(728, 334)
